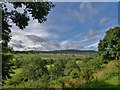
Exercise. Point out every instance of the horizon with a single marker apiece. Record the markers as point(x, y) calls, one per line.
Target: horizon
point(58, 50)
point(75, 25)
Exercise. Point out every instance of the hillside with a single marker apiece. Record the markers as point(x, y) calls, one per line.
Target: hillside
point(69, 51)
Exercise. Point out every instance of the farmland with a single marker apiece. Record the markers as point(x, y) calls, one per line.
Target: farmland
point(62, 71)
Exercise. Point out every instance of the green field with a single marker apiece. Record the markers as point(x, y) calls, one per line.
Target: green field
point(62, 71)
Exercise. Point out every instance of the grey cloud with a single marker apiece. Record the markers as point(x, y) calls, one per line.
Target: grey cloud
point(36, 39)
point(17, 44)
point(45, 42)
point(33, 42)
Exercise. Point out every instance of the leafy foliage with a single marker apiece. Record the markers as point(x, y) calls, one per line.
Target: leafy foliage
point(109, 47)
point(36, 72)
point(7, 65)
point(38, 10)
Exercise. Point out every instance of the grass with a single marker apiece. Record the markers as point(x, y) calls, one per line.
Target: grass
point(113, 80)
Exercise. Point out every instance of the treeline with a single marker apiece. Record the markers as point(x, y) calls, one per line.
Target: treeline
point(58, 52)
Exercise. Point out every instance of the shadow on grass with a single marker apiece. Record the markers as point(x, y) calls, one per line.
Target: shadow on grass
point(99, 85)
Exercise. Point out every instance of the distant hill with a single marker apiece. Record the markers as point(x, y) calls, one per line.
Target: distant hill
point(69, 51)
point(72, 51)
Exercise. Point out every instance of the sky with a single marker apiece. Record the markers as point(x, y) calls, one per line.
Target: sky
point(69, 25)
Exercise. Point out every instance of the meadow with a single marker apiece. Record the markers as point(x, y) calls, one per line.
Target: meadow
point(62, 71)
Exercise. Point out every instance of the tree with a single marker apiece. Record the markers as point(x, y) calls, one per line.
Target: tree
point(70, 67)
point(109, 47)
point(58, 69)
point(35, 69)
point(38, 10)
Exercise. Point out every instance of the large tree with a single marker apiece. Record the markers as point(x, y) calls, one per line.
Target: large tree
point(38, 10)
point(109, 47)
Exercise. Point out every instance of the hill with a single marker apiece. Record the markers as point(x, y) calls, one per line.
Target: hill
point(69, 51)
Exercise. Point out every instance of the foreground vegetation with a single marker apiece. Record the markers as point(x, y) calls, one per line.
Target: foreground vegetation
point(62, 71)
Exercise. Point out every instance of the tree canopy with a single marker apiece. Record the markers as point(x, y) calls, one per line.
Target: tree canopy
point(36, 10)
point(109, 47)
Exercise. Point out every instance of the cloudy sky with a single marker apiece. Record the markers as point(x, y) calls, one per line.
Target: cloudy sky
point(69, 26)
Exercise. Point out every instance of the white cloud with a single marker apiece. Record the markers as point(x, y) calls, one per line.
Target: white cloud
point(69, 45)
point(104, 21)
point(86, 12)
point(92, 46)
point(32, 28)
point(84, 40)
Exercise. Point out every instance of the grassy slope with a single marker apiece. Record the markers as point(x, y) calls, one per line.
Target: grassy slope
point(109, 73)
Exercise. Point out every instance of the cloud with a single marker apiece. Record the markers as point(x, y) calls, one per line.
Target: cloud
point(92, 46)
point(67, 45)
point(91, 33)
point(86, 12)
point(104, 21)
point(34, 42)
point(88, 36)
point(84, 40)
point(17, 45)
point(36, 38)
point(32, 28)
